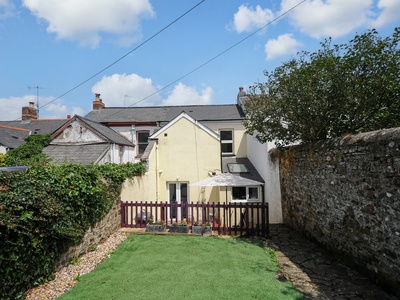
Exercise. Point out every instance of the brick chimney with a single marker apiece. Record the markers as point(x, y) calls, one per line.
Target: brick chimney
point(98, 103)
point(29, 112)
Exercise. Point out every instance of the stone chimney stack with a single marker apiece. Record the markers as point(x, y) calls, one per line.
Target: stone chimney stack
point(98, 103)
point(239, 95)
point(29, 112)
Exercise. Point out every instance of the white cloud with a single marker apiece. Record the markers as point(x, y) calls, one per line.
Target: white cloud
point(185, 95)
point(390, 11)
point(249, 19)
point(122, 90)
point(84, 21)
point(285, 44)
point(328, 18)
point(126, 90)
point(58, 110)
point(11, 108)
point(6, 9)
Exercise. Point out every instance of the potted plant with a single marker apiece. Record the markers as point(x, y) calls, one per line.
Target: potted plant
point(155, 226)
point(196, 228)
point(179, 228)
point(201, 229)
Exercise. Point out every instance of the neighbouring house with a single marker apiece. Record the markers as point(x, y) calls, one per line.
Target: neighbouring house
point(83, 141)
point(12, 133)
point(183, 145)
point(11, 137)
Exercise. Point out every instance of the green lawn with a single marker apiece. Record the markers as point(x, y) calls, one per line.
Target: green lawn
point(185, 267)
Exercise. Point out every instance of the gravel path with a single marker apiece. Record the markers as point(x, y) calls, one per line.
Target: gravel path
point(65, 278)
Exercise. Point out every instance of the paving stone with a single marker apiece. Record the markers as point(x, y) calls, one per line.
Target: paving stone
point(316, 273)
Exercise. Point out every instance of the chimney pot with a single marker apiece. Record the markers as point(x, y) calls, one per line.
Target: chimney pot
point(98, 103)
point(68, 117)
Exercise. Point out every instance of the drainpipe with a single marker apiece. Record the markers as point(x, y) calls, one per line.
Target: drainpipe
point(157, 173)
point(112, 153)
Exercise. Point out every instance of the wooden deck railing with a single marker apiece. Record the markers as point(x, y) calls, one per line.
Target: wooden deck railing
point(230, 218)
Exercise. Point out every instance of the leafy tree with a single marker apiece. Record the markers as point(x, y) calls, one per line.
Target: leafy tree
point(339, 89)
point(28, 153)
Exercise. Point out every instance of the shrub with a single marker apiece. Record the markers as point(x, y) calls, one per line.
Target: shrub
point(46, 210)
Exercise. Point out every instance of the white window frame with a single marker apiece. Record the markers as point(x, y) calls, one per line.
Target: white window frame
point(227, 141)
point(178, 195)
point(258, 199)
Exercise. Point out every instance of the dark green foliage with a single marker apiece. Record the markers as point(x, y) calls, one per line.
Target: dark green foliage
point(337, 90)
point(46, 210)
point(28, 153)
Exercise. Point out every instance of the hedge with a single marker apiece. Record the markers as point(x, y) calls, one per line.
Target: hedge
point(46, 210)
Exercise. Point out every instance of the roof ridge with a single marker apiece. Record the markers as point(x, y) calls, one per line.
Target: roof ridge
point(14, 128)
point(167, 106)
point(48, 120)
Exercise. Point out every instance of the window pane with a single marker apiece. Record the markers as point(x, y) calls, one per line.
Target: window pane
point(172, 192)
point(142, 147)
point(226, 148)
point(239, 193)
point(184, 192)
point(143, 137)
point(253, 193)
point(237, 168)
point(172, 199)
point(226, 135)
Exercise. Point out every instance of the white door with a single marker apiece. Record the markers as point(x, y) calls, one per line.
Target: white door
point(178, 193)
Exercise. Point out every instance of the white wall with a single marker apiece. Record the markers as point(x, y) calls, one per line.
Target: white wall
point(269, 171)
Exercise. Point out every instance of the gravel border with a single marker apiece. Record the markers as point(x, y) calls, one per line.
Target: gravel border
point(66, 277)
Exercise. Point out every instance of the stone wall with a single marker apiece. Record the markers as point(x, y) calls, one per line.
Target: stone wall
point(99, 232)
point(345, 194)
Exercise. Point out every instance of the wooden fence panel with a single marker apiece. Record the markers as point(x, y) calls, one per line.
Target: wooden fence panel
point(226, 218)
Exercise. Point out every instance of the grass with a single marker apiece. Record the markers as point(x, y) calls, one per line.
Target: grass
point(185, 267)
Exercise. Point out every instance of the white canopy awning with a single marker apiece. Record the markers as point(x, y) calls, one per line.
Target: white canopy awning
point(227, 179)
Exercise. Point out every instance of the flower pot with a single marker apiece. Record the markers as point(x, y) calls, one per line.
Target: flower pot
point(179, 229)
point(202, 230)
point(155, 228)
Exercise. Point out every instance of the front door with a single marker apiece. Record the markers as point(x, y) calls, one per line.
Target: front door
point(178, 193)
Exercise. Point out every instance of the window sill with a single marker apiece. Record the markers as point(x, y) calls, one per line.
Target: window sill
point(246, 201)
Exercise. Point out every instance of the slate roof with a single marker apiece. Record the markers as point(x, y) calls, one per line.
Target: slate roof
point(252, 174)
point(79, 154)
point(165, 114)
point(107, 133)
point(40, 126)
point(12, 137)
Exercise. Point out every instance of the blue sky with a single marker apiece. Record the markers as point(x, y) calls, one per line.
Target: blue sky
point(58, 45)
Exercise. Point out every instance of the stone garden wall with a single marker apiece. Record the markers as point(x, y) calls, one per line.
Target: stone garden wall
point(99, 232)
point(345, 194)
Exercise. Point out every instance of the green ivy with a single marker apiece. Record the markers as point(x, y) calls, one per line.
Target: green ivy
point(28, 153)
point(2, 160)
point(47, 209)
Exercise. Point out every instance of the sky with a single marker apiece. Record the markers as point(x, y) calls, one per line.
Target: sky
point(157, 52)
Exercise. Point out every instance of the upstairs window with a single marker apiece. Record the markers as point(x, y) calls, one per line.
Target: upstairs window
point(142, 140)
point(226, 142)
